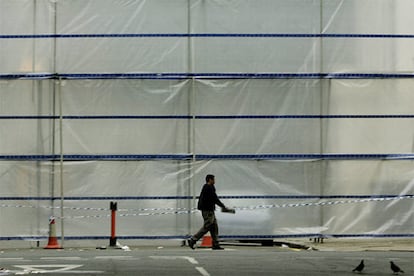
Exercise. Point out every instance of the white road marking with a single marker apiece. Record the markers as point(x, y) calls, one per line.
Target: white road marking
point(62, 258)
point(11, 259)
point(41, 268)
point(189, 259)
point(114, 257)
point(202, 271)
point(60, 268)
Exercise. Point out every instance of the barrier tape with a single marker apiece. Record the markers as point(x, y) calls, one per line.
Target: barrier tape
point(231, 237)
point(183, 211)
point(323, 203)
point(51, 207)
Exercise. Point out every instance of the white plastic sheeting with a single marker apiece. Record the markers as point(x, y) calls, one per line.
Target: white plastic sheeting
point(307, 150)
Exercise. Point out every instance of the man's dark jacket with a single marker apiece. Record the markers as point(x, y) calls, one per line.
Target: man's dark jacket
point(208, 199)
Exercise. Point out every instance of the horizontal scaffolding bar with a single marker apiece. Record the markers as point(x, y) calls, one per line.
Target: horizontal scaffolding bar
point(133, 157)
point(202, 117)
point(108, 198)
point(209, 35)
point(205, 75)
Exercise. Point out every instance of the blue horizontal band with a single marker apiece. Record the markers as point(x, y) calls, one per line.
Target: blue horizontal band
point(316, 235)
point(224, 237)
point(201, 117)
point(34, 76)
point(206, 75)
point(235, 75)
point(84, 157)
point(304, 156)
point(89, 157)
point(89, 198)
point(132, 157)
point(368, 116)
point(94, 117)
point(206, 35)
point(112, 198)
point(313, 196)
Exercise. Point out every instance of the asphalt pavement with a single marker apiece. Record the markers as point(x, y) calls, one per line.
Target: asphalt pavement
point(236, 259)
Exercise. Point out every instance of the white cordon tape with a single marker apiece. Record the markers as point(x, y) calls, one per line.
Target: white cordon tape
point(323, 203)
point(57, 207)
point(183, 211)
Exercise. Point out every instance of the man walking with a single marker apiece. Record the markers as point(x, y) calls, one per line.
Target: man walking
point(207, 205)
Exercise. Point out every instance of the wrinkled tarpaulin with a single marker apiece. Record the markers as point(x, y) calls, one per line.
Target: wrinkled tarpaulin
point(303, 109)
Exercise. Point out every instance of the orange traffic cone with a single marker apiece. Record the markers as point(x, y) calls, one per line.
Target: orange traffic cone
point(53, 242)
point(207, 241)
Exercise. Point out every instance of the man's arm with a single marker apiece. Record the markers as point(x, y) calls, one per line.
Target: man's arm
point(219, 203)
point(215, 198)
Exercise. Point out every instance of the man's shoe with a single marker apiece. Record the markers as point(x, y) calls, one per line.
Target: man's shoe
point(217, 248)
point(191, 243)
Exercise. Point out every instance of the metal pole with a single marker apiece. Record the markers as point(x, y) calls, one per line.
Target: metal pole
point(322, 169)
point(59, 92)
point(39, 122)
point(53, 134)
point(61, 163)
point(191, 103)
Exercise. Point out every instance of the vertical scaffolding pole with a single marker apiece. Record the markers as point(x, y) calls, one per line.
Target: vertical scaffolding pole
point(191, 127)
point(57, 94)
point(54, 103)
point(39, 122)
point(322, 110)
point(62, 195)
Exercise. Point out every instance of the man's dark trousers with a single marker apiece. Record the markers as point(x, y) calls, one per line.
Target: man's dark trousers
point(210, 225)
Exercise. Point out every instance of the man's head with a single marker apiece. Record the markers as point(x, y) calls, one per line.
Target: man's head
point(210, 179)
